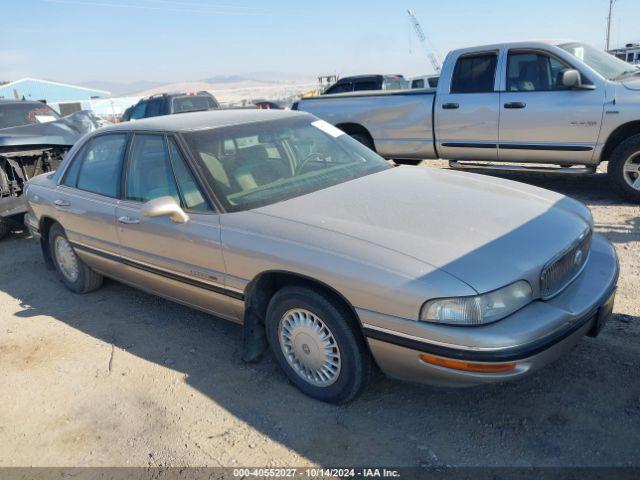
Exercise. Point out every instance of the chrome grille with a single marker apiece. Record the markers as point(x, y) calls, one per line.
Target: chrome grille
point(562, 270)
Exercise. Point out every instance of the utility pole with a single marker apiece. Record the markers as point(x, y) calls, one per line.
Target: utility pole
point(611, 2)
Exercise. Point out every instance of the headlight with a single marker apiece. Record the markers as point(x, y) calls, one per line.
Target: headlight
point(478, 309)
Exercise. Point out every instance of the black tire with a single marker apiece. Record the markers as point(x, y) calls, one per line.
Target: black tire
point(87, 279)
point(615, 170)
point(356, 364)
point(4, 229)
point(364, 139)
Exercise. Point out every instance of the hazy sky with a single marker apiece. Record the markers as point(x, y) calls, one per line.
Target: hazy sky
point(172, 40)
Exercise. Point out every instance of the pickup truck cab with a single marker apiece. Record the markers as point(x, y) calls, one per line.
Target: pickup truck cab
point(560, 103)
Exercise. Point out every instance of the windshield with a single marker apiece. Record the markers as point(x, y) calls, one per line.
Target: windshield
point(602, 62)
point(17, 114)
point(257, 164)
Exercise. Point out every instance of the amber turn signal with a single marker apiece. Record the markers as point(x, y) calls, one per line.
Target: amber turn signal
point(468, 366)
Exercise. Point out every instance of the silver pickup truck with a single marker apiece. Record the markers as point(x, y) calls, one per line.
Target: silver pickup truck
point(564, 104)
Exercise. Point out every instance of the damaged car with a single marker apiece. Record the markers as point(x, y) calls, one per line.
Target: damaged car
point(33, 140)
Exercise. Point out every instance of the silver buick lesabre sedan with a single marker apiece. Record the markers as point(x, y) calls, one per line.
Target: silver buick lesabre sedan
point(324, 252)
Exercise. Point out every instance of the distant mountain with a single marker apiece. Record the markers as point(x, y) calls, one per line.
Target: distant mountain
point(121, 88)
point(211, 83)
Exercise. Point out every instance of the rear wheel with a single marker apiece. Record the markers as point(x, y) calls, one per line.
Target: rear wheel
point(74, 273)
point(624, 169)
point(317, 343)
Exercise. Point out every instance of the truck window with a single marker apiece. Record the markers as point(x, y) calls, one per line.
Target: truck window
point(417, 83)
point(533, 72)
point(154, 108)
point(139, 111)
point(366, 85)
point(474, 73)
point(340, 88)
point(193, 103)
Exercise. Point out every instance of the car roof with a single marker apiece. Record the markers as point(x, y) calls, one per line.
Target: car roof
point(184, 122)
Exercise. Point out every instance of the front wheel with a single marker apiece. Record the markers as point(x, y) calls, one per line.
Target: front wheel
point(317, 343)
point(74, 273)
point(624, 169)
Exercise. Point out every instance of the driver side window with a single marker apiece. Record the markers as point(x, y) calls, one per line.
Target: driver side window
point(534, 72)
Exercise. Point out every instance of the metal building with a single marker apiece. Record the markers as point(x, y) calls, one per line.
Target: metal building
point(63, 97)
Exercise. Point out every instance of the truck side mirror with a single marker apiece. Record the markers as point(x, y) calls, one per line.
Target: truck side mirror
point(571, 78)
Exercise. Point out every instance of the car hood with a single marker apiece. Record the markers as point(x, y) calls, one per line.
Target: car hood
point(63, 132)
point(485, 231)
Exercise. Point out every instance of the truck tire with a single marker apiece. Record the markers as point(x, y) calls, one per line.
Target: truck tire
point(72, 271)
point(318, 345)
point(4, 229)
point(364, 139)
point(624, 169)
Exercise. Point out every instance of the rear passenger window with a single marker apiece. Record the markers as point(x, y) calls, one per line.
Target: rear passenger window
point(154, 108)
point(101, 165)
point(474, 74)
point(149, 173)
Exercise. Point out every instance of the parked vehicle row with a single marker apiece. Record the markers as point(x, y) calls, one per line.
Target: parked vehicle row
point(564, 104)
point(323, 251)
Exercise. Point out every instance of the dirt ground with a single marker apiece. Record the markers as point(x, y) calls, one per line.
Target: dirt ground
point(119, 377)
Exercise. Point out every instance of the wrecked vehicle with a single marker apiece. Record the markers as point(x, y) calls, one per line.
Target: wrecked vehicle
point(33, 140)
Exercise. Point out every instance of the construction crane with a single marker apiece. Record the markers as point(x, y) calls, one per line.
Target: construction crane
point(433, 58)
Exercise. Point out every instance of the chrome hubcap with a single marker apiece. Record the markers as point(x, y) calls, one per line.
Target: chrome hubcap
point(631, 171)
point(66, 259)
point(309, 347)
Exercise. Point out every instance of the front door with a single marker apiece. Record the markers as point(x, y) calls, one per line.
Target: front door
point(467, 117)
point(540, 119)
point(181, 261)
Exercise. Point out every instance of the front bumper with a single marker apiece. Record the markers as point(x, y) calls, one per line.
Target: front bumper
point(534, 336)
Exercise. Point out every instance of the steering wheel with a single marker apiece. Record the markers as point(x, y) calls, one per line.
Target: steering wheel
point(309, 157)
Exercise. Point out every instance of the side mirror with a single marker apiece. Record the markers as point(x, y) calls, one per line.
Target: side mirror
point(573, 79)
point(165, 207)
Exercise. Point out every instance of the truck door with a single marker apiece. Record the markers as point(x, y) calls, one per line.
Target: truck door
point(467, 110)
point(541, 120)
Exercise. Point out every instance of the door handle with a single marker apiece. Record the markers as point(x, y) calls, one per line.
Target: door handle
point(515, 105)
point(450, 106)
point(61, 204)
point(128, 220)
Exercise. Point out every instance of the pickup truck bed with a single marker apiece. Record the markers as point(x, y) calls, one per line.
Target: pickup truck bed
point(395, 119)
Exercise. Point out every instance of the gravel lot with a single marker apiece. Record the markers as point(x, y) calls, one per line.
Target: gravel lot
point(119, 377)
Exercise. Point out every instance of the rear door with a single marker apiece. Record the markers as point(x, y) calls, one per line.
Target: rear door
point(87, 197)
point(182, 261)
point(467, 110)
point(541, 120)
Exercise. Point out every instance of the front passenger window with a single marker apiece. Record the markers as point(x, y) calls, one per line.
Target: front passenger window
point(149, 174)
point(534, 72)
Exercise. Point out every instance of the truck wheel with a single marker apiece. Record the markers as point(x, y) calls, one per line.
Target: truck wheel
point(364, 139)
point(317, 342)
point(74, 273)
point(624, 169)
point(4, 229)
